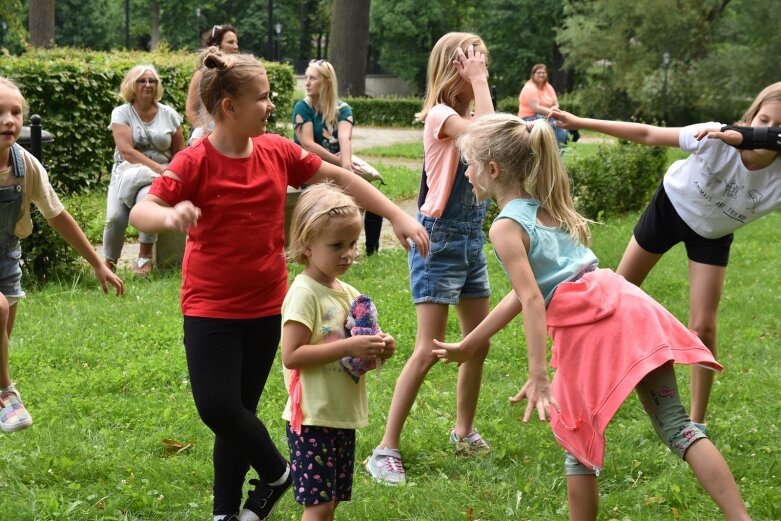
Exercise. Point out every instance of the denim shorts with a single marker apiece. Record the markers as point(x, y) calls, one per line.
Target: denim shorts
point(455, 267)
point(11, 272)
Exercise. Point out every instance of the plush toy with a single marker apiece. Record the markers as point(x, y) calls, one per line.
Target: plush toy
point(362, 320)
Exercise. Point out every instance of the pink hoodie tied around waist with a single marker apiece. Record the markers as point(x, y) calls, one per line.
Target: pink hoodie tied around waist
point(607, 336)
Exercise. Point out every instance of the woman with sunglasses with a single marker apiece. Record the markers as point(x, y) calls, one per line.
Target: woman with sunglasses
point(147, 134)
point(323, 125)
point(226, 39)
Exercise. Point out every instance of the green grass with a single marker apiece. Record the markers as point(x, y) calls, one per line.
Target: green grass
point(106, 381)
point(401, 150)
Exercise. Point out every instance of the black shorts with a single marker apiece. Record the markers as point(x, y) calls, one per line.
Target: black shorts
point(660, 228)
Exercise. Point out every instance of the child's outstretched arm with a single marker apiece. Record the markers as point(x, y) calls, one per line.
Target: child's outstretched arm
point(511, 243)
point(69, 230)
point(501, 315)
point(367, 196)
point(636, 132)
point(298, 353)
point(152, 214)
point(744, 138)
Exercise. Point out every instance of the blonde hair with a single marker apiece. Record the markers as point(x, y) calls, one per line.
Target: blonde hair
point(527, 160)
point(443, 82)
point(329, 88)
point(225, 76)
point(11, 84)
point(768, 94)
point(318, 205)
point(127, 90)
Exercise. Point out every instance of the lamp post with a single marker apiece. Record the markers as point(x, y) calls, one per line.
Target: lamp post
point(197, 27)
point(666, 65)
point(277, 32)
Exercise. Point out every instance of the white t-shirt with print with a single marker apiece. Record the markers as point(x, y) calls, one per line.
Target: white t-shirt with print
point(714, 192)
point(153, 139)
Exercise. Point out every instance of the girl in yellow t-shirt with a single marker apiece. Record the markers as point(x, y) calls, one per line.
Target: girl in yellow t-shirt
point(325, 405)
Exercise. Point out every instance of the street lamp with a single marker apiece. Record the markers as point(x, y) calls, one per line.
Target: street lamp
point(197, 27)
point(666, 65)
point(277, 31)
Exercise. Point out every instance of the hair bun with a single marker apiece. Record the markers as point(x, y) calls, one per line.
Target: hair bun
point(216, 59)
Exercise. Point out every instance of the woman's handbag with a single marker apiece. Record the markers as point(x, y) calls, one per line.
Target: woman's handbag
point(365, 170)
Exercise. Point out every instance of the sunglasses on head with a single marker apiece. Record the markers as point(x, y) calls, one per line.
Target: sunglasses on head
point(317, 62)
point(215, 29)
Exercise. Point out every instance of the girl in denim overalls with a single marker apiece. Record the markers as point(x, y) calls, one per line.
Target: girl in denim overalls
point(24, 180)
point(455, 272)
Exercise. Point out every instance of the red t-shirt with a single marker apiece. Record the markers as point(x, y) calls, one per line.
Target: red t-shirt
point(234, 263)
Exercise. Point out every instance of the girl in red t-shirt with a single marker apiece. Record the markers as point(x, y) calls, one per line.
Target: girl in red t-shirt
point(228, 192)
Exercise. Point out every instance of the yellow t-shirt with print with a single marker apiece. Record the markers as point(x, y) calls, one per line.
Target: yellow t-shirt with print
point(329, 395)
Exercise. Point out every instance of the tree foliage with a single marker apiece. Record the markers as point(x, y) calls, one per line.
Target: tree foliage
point(721, 53)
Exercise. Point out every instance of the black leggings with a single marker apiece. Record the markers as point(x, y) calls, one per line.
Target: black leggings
point(229, 361)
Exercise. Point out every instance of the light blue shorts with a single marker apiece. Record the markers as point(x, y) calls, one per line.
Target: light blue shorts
point(455, 267)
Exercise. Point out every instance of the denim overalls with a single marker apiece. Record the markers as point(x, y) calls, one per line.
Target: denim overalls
point(455, 267)
point(10, 210)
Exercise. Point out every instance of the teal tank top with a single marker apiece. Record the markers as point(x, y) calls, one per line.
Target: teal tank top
point(554, 256)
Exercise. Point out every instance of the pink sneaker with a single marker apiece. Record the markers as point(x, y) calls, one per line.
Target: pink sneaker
point(472, 445)
point(13, 416)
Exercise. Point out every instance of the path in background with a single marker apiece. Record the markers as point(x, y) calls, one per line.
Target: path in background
point(363, 138)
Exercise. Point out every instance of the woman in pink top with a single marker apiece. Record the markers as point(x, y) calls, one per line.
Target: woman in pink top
point(537, 99)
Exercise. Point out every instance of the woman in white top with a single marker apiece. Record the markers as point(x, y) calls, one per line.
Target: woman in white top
point(147, 134)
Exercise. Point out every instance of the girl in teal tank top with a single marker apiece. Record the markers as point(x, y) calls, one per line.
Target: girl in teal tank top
point(609, 337)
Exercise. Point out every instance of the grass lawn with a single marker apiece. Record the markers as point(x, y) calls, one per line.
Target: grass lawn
point(117, 437)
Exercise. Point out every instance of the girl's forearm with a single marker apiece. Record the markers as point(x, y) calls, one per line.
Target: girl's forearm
point(69, 230)
point(306, 356)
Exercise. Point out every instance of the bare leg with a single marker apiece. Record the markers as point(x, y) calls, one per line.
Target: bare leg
point(5, 320)
point(706, 285)
point(432, 322)
point(714, 475)
point(145, 249)
point(583, 497)
point(321, 512)
point(636, 263)
point(470, 313)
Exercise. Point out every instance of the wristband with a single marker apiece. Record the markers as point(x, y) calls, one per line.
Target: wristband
point(768, 138)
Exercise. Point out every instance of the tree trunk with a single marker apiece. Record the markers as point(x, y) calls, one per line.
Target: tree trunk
point(41, 23)
point(350, 45)
point(155, 25)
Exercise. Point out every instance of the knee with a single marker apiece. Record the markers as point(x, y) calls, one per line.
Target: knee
point(706, 331)
point(218, 416)
point(5, 310)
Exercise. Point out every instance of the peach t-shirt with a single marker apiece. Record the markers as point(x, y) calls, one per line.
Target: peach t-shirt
point(546, 97)
point(440, 160)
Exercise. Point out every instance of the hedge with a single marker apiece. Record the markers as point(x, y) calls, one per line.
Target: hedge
point(75, 90)
point(618, 178)
point(385, 112)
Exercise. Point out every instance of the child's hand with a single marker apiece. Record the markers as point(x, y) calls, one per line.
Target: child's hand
point(105, 276)
point(182, 217)
point(390, 346)
point(537, 392)
point(564, 119)
point(366, 346)
point(730, 137)
point(457, 352)
point(407, 229)
point(471, 66)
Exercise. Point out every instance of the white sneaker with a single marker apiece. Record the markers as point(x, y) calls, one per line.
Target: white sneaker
point(385, 466)
point(472, 445)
